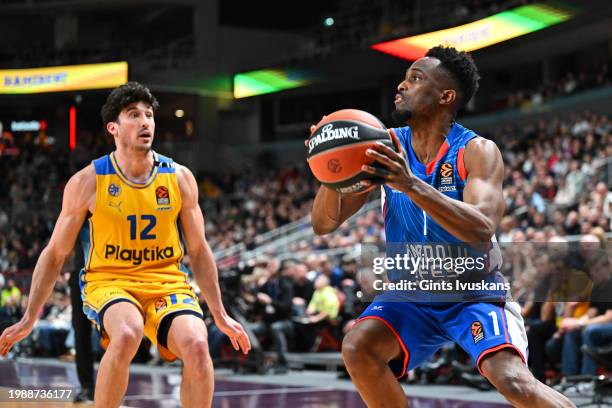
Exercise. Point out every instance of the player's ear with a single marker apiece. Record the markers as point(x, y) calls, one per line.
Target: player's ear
point(112, 128)
point(448, 97)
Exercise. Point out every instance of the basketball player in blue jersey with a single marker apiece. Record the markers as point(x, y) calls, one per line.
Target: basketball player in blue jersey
point(132, 208)
point(442, 184)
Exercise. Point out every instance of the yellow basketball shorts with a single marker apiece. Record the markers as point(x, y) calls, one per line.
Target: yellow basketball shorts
point(158, 302)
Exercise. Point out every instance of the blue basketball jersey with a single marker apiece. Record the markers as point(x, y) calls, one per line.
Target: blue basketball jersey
point(410, 229)
point(422, 320)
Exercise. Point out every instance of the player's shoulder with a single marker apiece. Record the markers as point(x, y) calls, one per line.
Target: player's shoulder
point(480, 145)
point(182, 171)
point(85, 176)
point(482, 153)
point(165, 162)
point(80, 189)
point(186, 180)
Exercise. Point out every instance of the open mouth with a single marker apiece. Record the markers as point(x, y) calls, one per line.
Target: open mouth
point(398, 98)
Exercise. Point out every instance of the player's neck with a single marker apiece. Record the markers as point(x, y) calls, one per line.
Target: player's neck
point(427, 137)
point(136, 165)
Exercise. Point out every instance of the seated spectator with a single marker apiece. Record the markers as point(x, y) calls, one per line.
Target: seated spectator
point(322, 312)
point(325, 304)
point(274, 305)
point(507, 227)
point(50, 332)
point(303, 289)
point(586, 323)
point(334, 273)
point(594, 329)
point(349, 286)
point(10, 312)
point(539, 317)
point(10, 291)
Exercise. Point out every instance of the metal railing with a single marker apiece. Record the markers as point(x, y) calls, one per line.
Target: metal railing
point(279, 240)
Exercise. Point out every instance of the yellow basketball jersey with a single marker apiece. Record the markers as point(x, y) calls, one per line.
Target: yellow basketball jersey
point(134, 231)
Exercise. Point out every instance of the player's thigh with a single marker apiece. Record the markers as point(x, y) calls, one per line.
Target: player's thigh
point(123, 320)
point(162, 311)
point(187, 336)
point(112, 307)
point(411, 326)
point(398, 334)
point(372, 336)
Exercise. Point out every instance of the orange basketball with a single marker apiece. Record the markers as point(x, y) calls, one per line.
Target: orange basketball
point(337, 146)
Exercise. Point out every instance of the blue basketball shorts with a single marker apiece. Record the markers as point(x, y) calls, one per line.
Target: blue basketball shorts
point(422, 328)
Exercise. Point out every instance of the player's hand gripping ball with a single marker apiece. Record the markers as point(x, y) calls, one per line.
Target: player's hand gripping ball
point(337, 150)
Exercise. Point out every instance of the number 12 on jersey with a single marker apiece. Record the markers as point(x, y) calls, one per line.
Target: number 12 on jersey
point(149, 222)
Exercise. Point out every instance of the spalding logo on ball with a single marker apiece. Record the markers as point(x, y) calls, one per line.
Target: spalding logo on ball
point(337, 146)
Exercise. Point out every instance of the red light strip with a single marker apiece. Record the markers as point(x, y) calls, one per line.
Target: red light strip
point(72, 127)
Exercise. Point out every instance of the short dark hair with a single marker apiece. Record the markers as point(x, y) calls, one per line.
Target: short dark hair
point(461, 66)
point(124, 95)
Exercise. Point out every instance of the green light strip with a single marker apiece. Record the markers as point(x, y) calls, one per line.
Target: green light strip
point(267, 81)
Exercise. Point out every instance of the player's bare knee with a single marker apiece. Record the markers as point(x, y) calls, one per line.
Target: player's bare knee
point(355, 350)
point(196, 354)
point(125, 341)
point(350, 350)
point(517, 386)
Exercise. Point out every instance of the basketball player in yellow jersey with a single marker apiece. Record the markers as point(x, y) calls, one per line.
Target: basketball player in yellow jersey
point(127, 206)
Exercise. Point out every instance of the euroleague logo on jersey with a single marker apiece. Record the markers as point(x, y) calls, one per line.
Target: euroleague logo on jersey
point(160, 304)
point(477, 331)
point(162, 195)
point(446, 178)
point(446, 172)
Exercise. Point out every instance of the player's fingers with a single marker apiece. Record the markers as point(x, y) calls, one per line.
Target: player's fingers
point(245, 345)
point(387, 151)
point(395, 140)
point(376, 171)
point(248, 341)
point(312, 128)
point(381, 158)
point(4, 340)
point(234, 343)
point(6, 346)
point(246, 338)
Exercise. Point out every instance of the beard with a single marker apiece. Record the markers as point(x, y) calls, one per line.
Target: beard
point(400, 117)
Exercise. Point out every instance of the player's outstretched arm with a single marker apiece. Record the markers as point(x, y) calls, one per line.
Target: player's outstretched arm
point(474, 219)
point(78, 195)
point(202, 260)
